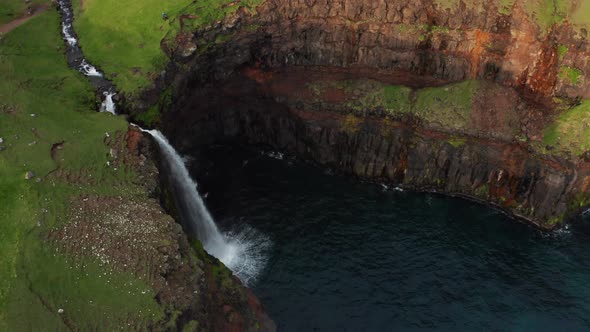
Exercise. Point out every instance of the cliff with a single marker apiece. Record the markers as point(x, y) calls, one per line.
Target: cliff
point(478, 99)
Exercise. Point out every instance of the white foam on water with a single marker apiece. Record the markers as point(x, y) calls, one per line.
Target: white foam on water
point(89, 70)
point(108, 105)
point(275, 155)
point(65, 29)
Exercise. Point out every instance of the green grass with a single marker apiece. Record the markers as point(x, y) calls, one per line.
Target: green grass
point(562, 51)
point(34, 280)
point(123, 37)
point(572, 75)
point(448, 106)
point(546, 13)
point(457, 141)
point(397, 98)
point(13, 9)
point(571, 130)
point(505, 6)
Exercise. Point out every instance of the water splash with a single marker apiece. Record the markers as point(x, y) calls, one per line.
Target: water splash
point(244, 252)
point(89, 70)
point(66, 31)
point(108, 105)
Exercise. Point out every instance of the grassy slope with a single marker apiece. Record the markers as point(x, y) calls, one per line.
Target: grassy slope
point(11, 9)
point(34, 281)
point(449, 106)
point(571, 131)
point(123, 37)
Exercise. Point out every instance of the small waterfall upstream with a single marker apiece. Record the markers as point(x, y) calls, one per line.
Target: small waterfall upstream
point(77, 61)
point(243, 252)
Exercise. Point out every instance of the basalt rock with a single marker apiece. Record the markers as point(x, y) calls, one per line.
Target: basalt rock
point(540, 189)
point(447, 96)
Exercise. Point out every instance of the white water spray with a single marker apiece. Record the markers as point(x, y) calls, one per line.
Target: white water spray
point(65, 29)
point(243, 252)
point(89, 70)
point(108, 105)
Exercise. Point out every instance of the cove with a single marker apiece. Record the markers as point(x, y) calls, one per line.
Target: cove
point(349, 256)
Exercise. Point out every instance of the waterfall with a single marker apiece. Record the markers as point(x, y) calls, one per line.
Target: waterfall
point(108, 105)
point(243, 252)
point(76, 58)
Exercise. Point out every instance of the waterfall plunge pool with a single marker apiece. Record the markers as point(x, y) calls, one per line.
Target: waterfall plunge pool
point(349, 256)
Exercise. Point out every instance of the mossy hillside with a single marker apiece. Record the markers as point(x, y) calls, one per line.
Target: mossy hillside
point(43, 102)
point(447, 107)
point(13, 9)
point(394, 99)
point(570, 132)
point(123, 37)
point(571, 75)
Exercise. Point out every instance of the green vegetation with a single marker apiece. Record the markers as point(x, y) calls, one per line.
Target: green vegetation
point(123, 37)
point(351, 123)
point(546, 13)
point(457, 141)
point(439, 29)
point(571, 130)
point(153, 114)
point(43, 102)
point(562, 51)
point(505, 6)
point(448, 106)
point(394, 99)
point(13, 9)
point(572, 75)
point(151, 117)
point(397, 98)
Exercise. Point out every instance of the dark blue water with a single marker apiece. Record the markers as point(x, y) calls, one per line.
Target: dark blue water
point(349, 256)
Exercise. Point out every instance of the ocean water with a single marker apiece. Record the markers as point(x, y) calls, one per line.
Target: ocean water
point(342, 255)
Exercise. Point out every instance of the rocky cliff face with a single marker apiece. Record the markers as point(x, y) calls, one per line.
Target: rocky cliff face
point(525, 44)
point(542, 190)
point(459, 97)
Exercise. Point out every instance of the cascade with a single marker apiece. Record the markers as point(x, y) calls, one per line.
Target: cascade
point(77, 60)
point(243, 252)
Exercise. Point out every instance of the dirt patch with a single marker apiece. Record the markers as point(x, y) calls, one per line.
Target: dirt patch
point(8, 109)
point(495, 111)
point(6, 28)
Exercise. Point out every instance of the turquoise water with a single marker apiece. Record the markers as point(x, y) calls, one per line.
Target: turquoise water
point(351, 256)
